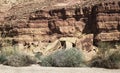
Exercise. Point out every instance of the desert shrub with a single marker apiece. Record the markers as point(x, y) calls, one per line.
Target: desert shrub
point(64, 58)
point(115, 58)
point(4, 53)
point(106, 59)
point(38, 55)
point(2, 58)
point(12, 57)
point(19, 60)
point(112, 62)
point(104, 46)
point(104, 49)
point(117, 45)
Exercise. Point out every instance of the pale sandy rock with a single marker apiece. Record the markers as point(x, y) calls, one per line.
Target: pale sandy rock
point(52, 47)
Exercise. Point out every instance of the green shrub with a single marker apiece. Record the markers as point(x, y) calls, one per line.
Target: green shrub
point(104, 46)
point(12, 57)
point(104, 49)
point(103, 63)
point(106, 58)
point(4, 53)
point(19, 60)
point(112, 62)
point(115, 58)
point(64, 58)
point(2, 58)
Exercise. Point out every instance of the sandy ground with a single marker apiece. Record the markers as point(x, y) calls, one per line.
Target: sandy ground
point(38, 69)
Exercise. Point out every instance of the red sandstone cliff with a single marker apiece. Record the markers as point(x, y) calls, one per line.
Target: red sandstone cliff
point(94, 23)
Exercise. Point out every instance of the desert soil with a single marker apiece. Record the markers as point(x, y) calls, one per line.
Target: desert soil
point(38, 69)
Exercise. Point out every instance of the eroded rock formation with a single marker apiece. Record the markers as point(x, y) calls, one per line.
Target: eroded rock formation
point(107, 18)
point(100, 22)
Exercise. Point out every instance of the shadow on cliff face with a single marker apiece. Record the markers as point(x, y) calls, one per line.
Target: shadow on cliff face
point(61, 13)
point(52, 26)
point(88, 19)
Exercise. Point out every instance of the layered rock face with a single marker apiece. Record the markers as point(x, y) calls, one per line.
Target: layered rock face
point(107, 21)
point(47, 26)
point(89, 24)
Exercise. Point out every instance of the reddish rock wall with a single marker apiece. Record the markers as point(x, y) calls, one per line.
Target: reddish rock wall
point(100, 22)
point(58, 22)
point(107, 21)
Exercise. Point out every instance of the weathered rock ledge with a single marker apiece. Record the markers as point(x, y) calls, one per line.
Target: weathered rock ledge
point(100, 22)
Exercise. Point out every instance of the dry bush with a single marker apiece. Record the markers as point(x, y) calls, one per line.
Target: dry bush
point(112, 62)
point(12, 57)
point(19, 60)
point(64, 58)
point(106, 59)
point(2, 58)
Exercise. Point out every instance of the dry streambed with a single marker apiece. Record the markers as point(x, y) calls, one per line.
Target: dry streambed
point(38, 69)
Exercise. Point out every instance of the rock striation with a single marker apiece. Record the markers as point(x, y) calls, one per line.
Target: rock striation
point(100, 22)
point(107, 21)
point(44, 25)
